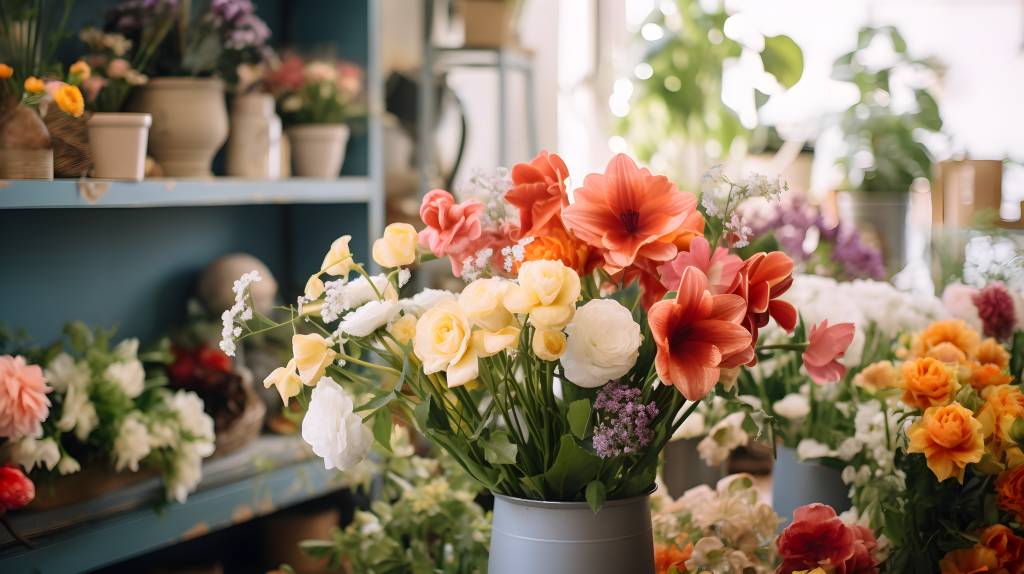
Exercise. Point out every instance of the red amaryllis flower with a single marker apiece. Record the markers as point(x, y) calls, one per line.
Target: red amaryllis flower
point(817, 538)
point(694, 333)
point(720, 268)
point(629, 212)
point(450, 226)
point(539, 194)
point(762, 279)
point(826, 344)
point(995, 307)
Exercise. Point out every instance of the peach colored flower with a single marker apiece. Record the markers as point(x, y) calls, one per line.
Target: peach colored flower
point(92, 87)
point(760, 282)
point(1009, 548)
point(23, 401)
point(826, 344)
point(927, 383)
point(877, 376)
point(954, 331)
point(947, 353)
point(720, 268)
point(990, 351)
point(628, 211)
point(970, 561)
point(1003, 404)
point(118, 67)
point(450, 226)
point(950, 438)
point(695, 333)
point(539, 194)
point(1010, 491)
point(987, 375)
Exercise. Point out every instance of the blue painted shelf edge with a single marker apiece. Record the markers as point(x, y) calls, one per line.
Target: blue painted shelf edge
point(163, 192)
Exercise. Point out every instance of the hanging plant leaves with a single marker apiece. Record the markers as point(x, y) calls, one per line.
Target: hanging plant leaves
point(783, 59)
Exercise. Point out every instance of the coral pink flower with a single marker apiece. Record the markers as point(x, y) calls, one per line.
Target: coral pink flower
point(290, 75)
point(92, 86)
point(539, 194)
point(720, 268)
point(826, 345)
point(118, 67)
point(694, 333)
point(629, 212)
point(451, 227)
point(995, 307)
point(16, 490)
point(762, 279)
point(23, 402)
point(817, 538)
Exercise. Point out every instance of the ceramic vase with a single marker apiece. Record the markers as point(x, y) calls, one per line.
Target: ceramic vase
point(796, 484)
point(318, 150)
point(190, 123)
point(883, 214)
point(118, 142)
point(254, 146)
point(568, 538)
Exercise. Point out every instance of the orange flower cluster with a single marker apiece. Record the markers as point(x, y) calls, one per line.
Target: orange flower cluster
point(953, 341)
point(999, 552)
point(665, 557)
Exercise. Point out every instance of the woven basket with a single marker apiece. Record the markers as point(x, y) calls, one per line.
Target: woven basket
point(247, 427)
point(72, 156)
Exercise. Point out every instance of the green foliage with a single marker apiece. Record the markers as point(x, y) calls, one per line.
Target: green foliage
point(572, 470)
point(595, 495)
point(579, 417)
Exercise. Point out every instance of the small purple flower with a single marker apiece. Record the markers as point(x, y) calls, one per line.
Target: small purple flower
point(623, 421)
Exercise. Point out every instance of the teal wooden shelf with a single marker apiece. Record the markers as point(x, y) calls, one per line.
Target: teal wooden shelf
point(119, 525)
point(162, 192)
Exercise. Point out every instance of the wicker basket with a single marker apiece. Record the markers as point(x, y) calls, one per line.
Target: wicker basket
point(72, 156)
point(248, 426)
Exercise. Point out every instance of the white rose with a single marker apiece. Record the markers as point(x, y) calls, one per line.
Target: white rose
point(132, 444)
point(126, 350)
point(336, 433)
point(604, 343)
point(368, 318)
point(63, 373)
point(793, 406)
point(188, 471)
point(193, 420)
point(129, 374)
point(426, 300)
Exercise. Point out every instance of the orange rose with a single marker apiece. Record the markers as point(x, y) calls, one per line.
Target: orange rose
point(1003, 404)
point(1009, 548)
point(987, 375)
point(950, 437)
point(1010, 491)
point(927, 383)
point(947, 353)
point(559, 246)
point(34, 85)
point(990, 351)
point(970, 561)
point(953, 331)
point(665, 557)
point(6, 71)
point(877, 376)
point(69, 99)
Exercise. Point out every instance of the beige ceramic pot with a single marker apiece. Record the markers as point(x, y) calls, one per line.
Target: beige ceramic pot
point(118, 143)
point(254, 148)
point(190, 123)
point(318, 150)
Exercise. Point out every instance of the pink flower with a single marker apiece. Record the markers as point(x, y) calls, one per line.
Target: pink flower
point(16, 490)
point(92, 86)
point(118, 68)
point(451, 227)
point(826, 345)
point(995, 307)
point(958, 300)
point(720, 268)
point(23, 402)
point(818, 538)
point(53, 86)
point(290, 75)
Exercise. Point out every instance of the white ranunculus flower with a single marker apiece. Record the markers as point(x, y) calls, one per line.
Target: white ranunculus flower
point(79, 413)
point(604, 343)
point(368, 318)
point(129, 374)
point(793, 406)
point(360, 292)
point(63, 373)
point(726, 436)
point(132, 444)
point(30, 452)
point(336, 434)
point(810, 448)
point(426, 300)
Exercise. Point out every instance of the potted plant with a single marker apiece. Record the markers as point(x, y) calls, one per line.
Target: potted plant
point(883, 154)
point(188, 69)
point(314, 99)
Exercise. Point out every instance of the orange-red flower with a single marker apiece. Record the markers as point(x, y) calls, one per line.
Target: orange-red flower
point(826, 344)
point(720, 267)
point(950, 437)
point(761, 281)
point(1008, 547)
point(692, 228)
point(970, 561)
point(1010, 491)
point(629, 212)
point(695, 333)
point(927, 383)
point(667, 556)
point(559, 245)
point(539, 194)
point(954, 331)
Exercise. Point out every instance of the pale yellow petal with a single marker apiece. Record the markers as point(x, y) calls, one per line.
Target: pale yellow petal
point(517, 300)
point(554, 317)
point(549, 344)
point(465, 370)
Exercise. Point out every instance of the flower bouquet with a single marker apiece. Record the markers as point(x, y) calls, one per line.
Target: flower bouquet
point(565, 365)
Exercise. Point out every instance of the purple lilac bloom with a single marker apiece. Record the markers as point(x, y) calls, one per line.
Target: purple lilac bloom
point(623, 421)
point(239, 24)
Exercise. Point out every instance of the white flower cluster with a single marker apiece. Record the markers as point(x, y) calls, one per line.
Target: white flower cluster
point(720, 197)
point(335, 300)
point(738, 227)
point(239, 313)
point(489, 191)
point(514, 253)
point(342, 295)
point(403, 277)
point(476, 265)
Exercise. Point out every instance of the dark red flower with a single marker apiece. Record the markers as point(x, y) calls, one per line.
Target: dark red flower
point(995, 307)
point(817, 538)
point(213, 359)
point(16, 490)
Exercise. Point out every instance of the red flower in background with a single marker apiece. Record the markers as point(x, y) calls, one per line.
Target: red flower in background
point(818, 538)
point(762, 279)
point(16, 490)
point(290, 75)
point(826, 345)
point(539, 194)
point(995, 307)
point(451, 227)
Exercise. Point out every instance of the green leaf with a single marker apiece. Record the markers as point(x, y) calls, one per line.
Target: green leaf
point(287, 568)
point(437, 417)
point(377, 403)
point(579, 416)
point(382, 427)
point(498, 449)
point(968, 397)
point(1016, 433)
point(534, 483)
point(783, 59)
point(571, 392)
point(1017, 356)
point(317, 549)
point(572, 470)
point(595, 495)
point(670, 295)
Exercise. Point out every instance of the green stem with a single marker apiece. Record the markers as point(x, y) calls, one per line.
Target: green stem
point(348, 359)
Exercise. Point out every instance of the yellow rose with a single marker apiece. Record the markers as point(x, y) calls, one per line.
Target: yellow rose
point(314, 287)
point(549, 344)
point(548, 291)
point(481, 300)
point(397, 247)
point(338, 260)
point(69, 100)
point(312, 355)
point(442, 343)
point(403, 330)
point(287, 380)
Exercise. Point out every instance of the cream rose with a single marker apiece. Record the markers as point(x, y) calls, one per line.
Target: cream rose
point(793, 406)
point(481, 300)
point(604, 343)
point(397, 247)
point(442, 343)
point(549, 345)
point(312, 355)
point(338, 260)
point(547, 290)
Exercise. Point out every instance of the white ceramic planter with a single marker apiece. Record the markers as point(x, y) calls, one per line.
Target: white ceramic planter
point(118, 143)
point(190, 123)
point(568, 538)
point(318, 150)
point(796, 484)
point(254, 147)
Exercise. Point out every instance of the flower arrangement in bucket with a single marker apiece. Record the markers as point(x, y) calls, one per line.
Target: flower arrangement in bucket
point(560, 372)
